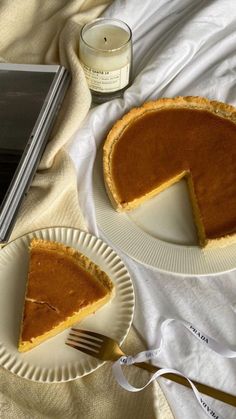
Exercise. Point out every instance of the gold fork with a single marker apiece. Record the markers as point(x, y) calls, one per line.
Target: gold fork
point(107, 349)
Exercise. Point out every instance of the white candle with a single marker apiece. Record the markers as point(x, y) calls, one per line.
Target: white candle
point(106, 56)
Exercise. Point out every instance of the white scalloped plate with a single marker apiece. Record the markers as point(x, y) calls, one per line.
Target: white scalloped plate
point(161, 232)
point(53, 361)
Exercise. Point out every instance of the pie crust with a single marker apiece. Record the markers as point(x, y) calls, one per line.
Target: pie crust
point(159, 143)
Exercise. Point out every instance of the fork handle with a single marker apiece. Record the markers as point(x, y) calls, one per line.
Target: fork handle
point(202, 388)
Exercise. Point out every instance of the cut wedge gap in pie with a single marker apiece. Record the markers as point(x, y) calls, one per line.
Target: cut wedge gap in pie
point(63, 287)
point(161, 142)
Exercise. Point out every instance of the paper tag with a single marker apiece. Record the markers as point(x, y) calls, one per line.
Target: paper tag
point(107, 81)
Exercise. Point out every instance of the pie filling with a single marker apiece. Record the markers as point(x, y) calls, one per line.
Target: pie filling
point(61, 290)
point(153, 150)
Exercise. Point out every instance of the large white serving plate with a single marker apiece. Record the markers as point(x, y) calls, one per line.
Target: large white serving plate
point(161, 232)
point(53, 360)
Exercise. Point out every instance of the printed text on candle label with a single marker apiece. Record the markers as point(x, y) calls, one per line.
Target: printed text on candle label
point(107, 81)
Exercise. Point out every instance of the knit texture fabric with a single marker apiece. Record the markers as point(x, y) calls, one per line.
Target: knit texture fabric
point(47, 32)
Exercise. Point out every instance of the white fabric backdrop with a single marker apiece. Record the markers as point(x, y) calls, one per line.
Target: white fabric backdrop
point(181, 47)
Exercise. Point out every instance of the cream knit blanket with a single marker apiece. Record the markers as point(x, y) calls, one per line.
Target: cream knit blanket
point(34, 31)
point(47, 31)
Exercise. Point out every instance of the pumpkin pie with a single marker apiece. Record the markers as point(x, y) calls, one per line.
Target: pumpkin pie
point(63, 287)
point(163, 141)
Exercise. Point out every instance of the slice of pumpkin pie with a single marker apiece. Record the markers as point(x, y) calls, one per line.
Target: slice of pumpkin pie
point(63, 287)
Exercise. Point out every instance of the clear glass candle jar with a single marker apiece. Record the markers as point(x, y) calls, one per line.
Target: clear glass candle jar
point(105, 53)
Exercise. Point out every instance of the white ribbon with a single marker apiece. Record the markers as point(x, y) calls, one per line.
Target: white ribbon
point(121, 379)
point(214, 345)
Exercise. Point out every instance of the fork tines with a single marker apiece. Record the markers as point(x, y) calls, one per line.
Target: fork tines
point(84, 340)
point(86, 333)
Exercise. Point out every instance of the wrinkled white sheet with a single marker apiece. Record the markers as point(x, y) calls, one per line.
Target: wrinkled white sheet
point(181, 47)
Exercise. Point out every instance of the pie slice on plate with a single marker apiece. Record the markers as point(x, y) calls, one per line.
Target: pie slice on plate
point(63, 287)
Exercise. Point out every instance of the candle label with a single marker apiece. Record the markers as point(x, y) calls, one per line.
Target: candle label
point(107, 81)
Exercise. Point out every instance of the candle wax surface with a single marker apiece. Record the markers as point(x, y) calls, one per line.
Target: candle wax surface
point(106, 37)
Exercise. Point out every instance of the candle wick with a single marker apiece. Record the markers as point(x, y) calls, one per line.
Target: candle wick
point(105, 39)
